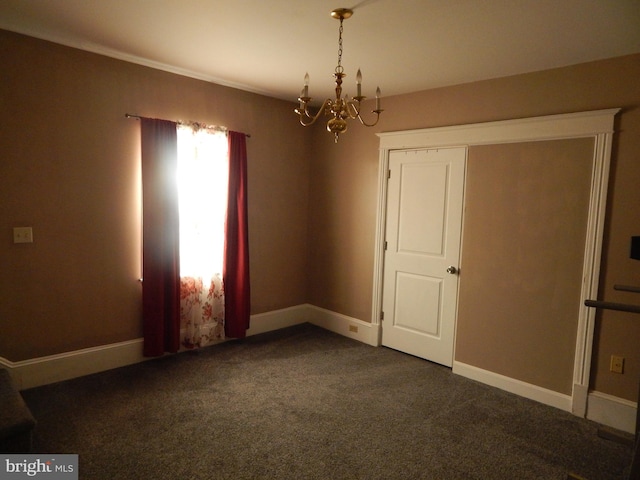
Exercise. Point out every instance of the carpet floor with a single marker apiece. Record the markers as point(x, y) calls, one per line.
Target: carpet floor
point(305, 403)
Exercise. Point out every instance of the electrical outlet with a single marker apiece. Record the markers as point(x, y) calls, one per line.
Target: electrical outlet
point(617, 364)
point(353, 328)
point(22, 235)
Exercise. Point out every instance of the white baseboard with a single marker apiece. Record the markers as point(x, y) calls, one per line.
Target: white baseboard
point(277, 319)
point(527, 390)
point(612, 411)
point(56, 368)
point(350, 327)
point(64, 366)
point(580, 398)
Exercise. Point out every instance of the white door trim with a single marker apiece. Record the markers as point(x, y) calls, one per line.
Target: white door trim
point(596, 124)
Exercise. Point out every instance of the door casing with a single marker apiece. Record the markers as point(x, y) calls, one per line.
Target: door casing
point(596, 124)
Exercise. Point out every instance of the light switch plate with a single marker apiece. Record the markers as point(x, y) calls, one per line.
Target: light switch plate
point(22, 235)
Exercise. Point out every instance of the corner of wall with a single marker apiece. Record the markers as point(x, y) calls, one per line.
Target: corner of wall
point(362, 331)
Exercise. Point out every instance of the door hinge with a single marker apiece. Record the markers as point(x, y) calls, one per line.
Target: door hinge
point(381, 315)
point(388, 174)
point(385, 244)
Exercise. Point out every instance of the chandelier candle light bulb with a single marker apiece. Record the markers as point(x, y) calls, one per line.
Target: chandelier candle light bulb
point(339, 109)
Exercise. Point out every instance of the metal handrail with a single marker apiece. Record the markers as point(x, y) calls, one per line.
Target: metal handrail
point(627, 288)
point(622, 307)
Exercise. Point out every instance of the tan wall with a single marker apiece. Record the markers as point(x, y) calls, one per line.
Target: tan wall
point(343, 195)
point(69, 168)
point(525, 226)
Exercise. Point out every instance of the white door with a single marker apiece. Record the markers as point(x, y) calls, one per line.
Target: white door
point(423, 232)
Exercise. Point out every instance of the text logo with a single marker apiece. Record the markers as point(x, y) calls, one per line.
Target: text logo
point(50, 467)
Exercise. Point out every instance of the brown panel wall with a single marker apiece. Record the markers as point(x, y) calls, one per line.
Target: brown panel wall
point(69, 168)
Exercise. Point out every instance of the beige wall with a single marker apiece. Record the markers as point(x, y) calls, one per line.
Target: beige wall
point(69, 168)
point(343, 232)
point(525, 226)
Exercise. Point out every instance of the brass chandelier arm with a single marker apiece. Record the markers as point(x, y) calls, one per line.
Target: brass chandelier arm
point(356, 114)
point(303, 111)
point(377, 112)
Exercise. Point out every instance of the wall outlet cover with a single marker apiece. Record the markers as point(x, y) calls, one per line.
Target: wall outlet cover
point(22, 235)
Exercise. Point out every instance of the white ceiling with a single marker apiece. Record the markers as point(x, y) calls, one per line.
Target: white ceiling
point(266, 46)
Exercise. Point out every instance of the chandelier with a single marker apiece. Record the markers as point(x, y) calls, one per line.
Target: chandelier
point(339, 109)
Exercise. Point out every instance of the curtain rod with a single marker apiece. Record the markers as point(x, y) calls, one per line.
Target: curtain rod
point(179, 122)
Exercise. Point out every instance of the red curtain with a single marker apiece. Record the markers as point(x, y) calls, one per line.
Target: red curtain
point(160, 238)
point(236, 250)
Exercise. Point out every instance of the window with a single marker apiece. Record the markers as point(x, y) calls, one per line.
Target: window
point(185, 304)
point(203, 177)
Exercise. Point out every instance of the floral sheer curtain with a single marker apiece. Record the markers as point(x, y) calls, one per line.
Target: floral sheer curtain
point(203, 174)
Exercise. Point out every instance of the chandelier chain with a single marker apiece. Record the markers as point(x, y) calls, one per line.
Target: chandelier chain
point(339, 67)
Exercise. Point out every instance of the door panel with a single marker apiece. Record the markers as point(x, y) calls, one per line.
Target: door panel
point(417, 303)
point(424, 218)
point(421, 208)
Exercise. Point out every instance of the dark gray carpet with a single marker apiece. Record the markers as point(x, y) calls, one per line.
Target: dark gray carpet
point(304, 403)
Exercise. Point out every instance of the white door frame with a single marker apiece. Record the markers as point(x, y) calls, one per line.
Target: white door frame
point(596, 124)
